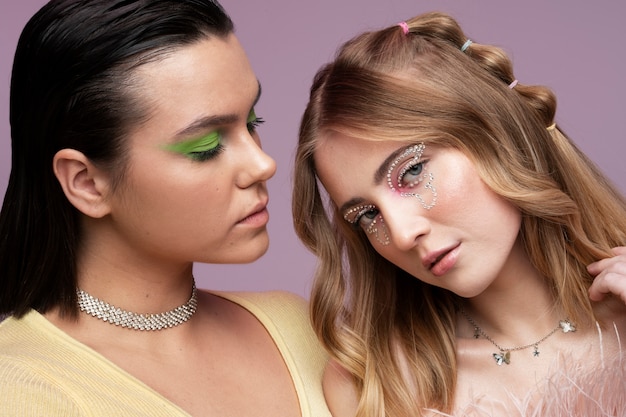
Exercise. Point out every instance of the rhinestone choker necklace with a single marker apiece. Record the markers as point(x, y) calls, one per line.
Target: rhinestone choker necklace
point(111, 314)
point(504, 356)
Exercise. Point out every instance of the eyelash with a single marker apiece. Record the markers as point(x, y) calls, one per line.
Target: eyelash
point(410, 158)
point(406, 170)
point(202, 156)
point(373, 216)
point(252, 125)
point(361, 211)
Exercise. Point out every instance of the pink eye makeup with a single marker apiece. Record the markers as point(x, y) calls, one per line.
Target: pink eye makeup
point(370, 220)
point(408, 174)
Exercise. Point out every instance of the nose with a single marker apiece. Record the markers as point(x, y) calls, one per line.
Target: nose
point(257, 166)
point(406, 223)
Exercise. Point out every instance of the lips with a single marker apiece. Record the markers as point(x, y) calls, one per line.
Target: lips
point(439, 262)
point(259, 208)
point(434, 257)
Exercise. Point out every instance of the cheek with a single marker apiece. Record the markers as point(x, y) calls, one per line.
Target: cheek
point(166, 193)
point(452, 194)
point(464, 199)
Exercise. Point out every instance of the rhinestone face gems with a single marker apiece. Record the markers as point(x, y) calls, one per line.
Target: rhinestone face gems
point(405, 175)
point(408, 176)
point(376, 225)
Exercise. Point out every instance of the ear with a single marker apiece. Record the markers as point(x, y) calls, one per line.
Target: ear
point(84, 185)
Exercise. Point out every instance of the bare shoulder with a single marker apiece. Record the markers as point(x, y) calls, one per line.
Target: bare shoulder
point(339, 390)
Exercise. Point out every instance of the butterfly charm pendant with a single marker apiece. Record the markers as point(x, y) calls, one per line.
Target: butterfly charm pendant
point(567, 326)
point(502, 357)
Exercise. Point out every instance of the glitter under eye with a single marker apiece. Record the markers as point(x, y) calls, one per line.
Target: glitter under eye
point(353, 218)
point(376, 227)
point(379, 231)
point(416, 151)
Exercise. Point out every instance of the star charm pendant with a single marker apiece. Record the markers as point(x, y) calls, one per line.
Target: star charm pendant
point(502, 357)
point(536, 351)
point(476, 332)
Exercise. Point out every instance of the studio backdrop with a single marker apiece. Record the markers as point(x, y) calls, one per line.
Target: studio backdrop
point(576, 47)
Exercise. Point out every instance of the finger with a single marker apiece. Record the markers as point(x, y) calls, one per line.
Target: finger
point(596, 292)
point(608, 282)
point(619, 250)
point(596, 267)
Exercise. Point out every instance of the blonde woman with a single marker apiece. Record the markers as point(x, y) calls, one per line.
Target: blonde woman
point(459, 230)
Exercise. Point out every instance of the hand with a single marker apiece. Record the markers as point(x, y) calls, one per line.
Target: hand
point(610, 276)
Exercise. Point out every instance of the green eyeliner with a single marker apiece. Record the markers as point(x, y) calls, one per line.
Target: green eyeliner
point(251, 117)
point(203, 144)
point(201, 147)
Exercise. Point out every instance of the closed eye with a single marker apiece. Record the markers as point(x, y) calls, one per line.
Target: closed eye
point(201, 149)
point(207, 154)
point(253, 121)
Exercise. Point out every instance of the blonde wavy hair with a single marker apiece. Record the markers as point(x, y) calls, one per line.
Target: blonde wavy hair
point(375, 319)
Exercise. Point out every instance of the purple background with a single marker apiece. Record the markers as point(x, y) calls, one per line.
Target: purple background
point(574, 46)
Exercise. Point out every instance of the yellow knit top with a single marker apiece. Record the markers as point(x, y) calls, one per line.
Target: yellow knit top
point(45, 372)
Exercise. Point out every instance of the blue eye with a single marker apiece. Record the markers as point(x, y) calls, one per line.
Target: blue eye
point(362, 216)
point(367, 217)
point(407, 170)
point(411, 175)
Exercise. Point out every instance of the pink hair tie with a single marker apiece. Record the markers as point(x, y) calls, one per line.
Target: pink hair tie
point(513, 84)
point(405, 27)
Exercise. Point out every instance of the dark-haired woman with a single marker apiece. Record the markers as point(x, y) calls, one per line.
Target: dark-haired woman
point(136, 154)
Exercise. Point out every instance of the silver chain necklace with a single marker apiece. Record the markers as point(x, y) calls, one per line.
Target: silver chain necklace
point(111, 314)
point(505, 353)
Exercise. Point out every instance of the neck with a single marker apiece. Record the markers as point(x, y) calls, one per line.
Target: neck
point(517, 305)
point(140, 287)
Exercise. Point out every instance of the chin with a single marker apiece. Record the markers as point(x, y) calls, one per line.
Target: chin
point(470, 292)
point(251, 253)
point(252, 258)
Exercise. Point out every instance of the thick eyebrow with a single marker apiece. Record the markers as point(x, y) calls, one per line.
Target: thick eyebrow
point(203, 123)
point(381, 172)
point(350, 203)
point(379, 176)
